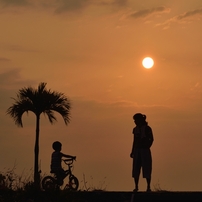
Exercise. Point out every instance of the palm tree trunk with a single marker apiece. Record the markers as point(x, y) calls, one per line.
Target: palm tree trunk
point(36, 155)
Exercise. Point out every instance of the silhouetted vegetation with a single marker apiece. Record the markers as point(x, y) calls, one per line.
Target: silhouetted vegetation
point(15, 188)
point(21, 188)
point(39, 101)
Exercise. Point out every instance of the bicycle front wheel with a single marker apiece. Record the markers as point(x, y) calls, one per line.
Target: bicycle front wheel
point(48, 183)
point(73, 183)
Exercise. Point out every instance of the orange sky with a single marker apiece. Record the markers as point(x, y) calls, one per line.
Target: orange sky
point(92, 51)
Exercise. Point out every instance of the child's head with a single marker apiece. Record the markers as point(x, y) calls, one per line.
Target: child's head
point(57, 146)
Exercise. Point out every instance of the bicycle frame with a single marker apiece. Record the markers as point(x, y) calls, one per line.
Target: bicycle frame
point(69, 170)
point(50, 183)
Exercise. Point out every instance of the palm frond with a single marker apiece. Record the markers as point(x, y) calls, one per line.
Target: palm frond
point(50, 115)
point(41, 87)
point(40, 100)
point(63, 111)
point(17, 110)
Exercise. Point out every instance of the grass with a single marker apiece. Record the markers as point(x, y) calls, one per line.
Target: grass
point(12, 181)
point(157, 188)
point(88, 185)
point(20, 188)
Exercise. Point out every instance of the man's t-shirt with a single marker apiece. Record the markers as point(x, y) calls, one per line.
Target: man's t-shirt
point(143, 137)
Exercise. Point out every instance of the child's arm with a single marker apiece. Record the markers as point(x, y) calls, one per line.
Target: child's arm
point(133, 145)
point(68, 156)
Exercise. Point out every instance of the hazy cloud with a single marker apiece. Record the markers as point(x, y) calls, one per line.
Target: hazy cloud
point(12, 79)
point(69, 5)
point(148, 12)
point(115, 2)
point(61, 6)
point(20, 48)
point(182, 18)
point(190, 14)
point(14, 2)
point(3, 59)
point(16, 48)
point(120, 2)
point(8, 77)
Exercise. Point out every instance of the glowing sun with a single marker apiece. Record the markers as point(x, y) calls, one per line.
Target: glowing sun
point(147, 62)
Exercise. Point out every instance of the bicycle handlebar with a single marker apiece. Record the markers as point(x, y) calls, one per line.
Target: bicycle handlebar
point(69, 161)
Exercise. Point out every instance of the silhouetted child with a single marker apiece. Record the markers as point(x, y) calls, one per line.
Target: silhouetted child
point(141, 154)
point(56, 161)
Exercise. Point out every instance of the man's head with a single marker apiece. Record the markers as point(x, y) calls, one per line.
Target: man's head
point(139, 119)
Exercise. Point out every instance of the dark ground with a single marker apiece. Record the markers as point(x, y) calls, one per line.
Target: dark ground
point(101, 196)
point(141, 196)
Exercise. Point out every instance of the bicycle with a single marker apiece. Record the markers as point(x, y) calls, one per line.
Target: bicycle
point(51, 183)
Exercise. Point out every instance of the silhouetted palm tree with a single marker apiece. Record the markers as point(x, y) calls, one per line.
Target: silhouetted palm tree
point(39, 101)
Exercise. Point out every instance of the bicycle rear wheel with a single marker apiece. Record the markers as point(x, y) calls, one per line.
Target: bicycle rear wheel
point(48, 183)
point(73, 183)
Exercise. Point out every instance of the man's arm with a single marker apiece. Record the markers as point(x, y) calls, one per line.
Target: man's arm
point(133, 146)
point(150, 136)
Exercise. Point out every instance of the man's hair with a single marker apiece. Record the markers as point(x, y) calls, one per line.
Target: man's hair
point(139, 116)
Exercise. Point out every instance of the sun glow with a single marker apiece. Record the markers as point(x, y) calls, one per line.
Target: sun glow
point(147, 62)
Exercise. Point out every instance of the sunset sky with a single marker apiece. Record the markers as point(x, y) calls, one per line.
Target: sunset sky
point(92, 51)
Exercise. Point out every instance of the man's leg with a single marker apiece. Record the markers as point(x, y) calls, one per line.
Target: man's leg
point(136, 179)
point(136, 169)
point(147, 167)
point(148, 184)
